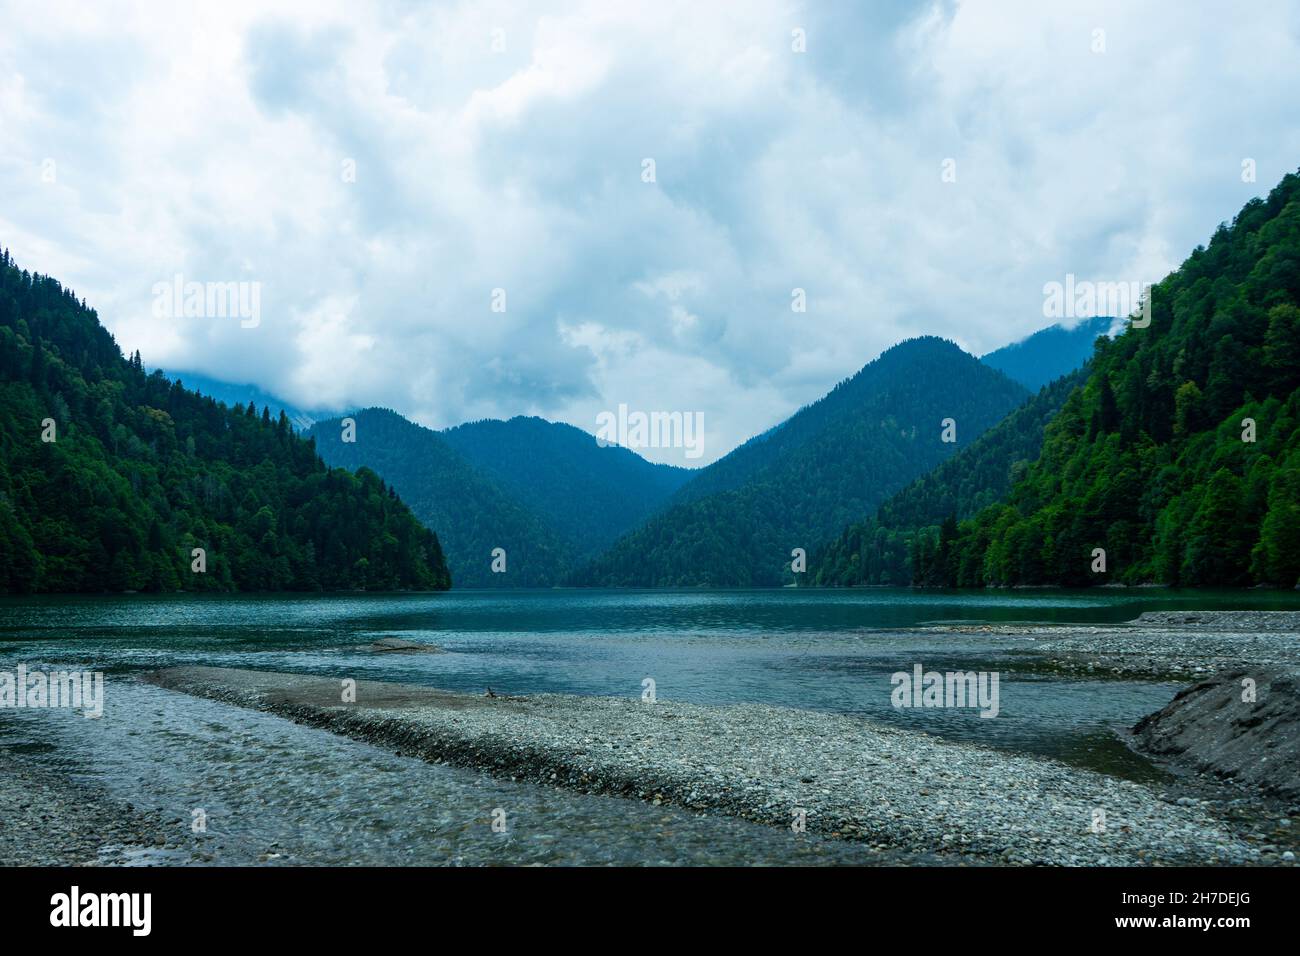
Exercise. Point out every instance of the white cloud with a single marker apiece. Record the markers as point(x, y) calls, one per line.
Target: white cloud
point(211, 142)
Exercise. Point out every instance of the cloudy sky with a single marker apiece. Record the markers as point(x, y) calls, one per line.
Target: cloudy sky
point(380, 169)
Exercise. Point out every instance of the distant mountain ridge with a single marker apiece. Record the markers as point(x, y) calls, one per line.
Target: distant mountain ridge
point(1050, 353)
point(472, 514)
point(545, 493)
point(241, 395)
point(737, 521)
point(588, 493)
point(558, 503)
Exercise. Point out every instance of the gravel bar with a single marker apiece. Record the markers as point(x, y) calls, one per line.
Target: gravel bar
point(889, 787)
point(1159, 645)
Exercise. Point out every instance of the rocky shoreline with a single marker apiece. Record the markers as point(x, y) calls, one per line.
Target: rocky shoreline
point(1242, 726)
point(849, 777)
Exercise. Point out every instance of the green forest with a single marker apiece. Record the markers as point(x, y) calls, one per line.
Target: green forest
point(111, 477)
point(1178, 461)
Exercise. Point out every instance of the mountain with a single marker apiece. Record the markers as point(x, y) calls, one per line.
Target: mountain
point(1048, 354)
point(737, 522)
point(242, 395)
point(1180, 456)
point(110, 477)
point(472, 514)
point(879, 550)
point(587, 493)
point(545, 492)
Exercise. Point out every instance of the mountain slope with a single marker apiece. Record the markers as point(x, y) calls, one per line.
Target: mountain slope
point(1152, 460)
point(879, 551)
point(471, 513)
point(1048, 354)
point(805, 480)
point(110, 477)
point(588, 494)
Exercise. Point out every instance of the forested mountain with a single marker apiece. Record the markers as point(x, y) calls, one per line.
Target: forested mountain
point(881, 550)
point(587, 493)
point(301, 419)
point(472, 514)
point(1049, 353)
point(110, 477)
point(1180, 458)
point(834, 461)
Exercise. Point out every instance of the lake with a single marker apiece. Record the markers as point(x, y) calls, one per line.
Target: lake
point(267, 782)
